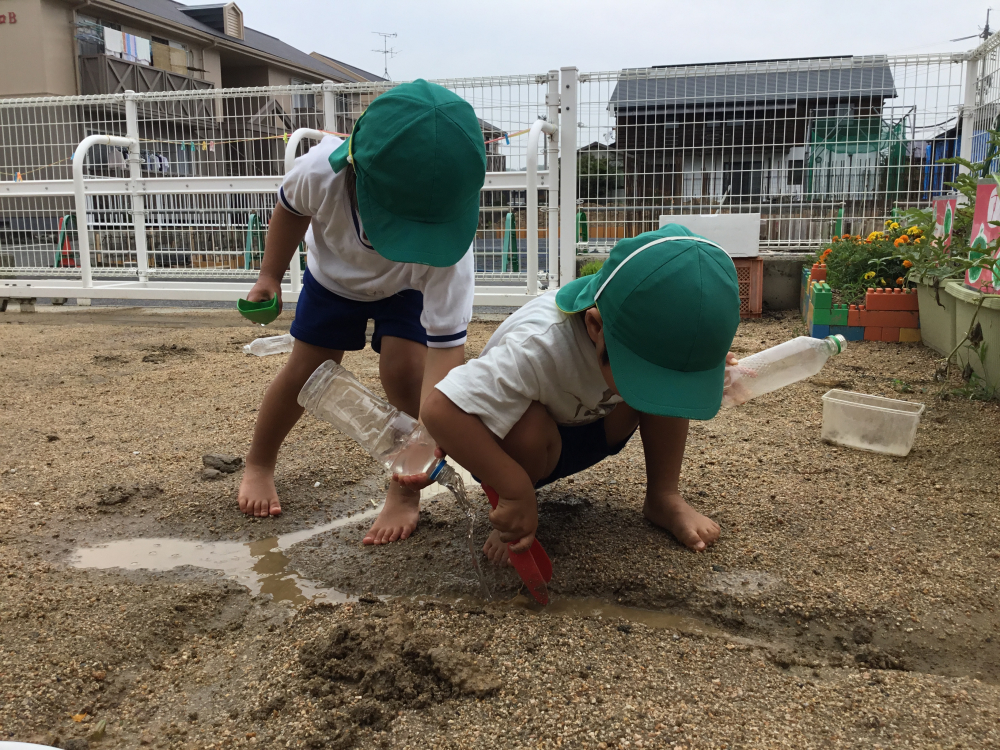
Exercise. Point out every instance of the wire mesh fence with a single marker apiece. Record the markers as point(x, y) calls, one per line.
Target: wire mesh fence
point(815, 146)
point(226, 133)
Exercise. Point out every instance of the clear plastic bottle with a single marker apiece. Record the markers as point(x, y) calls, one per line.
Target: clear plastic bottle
point(778, 366)
point(395, 439)
point(270, 345)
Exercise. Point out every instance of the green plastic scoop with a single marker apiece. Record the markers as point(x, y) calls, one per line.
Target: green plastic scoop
point(259, 312)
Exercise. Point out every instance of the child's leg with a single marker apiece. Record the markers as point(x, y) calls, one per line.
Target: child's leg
point(401, 368)
point(534, 442)
point(663, 441)
point(278, 413)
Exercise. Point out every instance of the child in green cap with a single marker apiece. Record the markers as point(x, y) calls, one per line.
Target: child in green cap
point(565, 381)
point(388, 216)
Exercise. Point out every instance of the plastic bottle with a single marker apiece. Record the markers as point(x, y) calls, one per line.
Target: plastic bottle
point(395, 439)
point(270, 345)
point(778, 366)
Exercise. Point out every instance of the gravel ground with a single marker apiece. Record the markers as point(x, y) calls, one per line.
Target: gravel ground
point(851, 601)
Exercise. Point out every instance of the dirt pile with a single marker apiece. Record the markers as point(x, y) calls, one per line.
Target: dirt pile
point(394, 659)
point(391, 662)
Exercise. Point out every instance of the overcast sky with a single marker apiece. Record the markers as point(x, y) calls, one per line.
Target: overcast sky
point(453, 38)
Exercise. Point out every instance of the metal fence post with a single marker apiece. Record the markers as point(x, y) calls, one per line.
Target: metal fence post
point(968, 110)
point(552, 161)
point(329, 107)
point(135, 174)
point(568, 118)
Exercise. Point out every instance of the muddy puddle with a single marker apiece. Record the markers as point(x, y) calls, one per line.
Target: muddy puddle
point(261, 565)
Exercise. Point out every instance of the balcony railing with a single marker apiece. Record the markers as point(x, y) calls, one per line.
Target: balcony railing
point(101, 74)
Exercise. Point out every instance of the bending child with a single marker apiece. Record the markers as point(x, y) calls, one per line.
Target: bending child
point(388, 217)
point(566, 380)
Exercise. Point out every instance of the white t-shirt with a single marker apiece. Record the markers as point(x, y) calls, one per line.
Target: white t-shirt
point(342, 259)
point(538, 354)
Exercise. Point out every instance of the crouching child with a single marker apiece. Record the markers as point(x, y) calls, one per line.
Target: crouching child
point(567, 380)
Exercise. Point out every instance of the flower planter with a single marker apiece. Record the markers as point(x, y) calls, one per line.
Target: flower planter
point(937, 321)
point(966, 302)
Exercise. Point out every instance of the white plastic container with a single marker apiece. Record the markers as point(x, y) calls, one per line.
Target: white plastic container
point(870, 423)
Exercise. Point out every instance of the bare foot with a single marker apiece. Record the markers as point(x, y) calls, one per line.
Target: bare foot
point(258, 495)
point(690, 527)
point(398, 518)
point(496, 551)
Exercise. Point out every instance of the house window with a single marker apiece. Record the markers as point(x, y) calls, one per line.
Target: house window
point(795, 171)
point(303, 101)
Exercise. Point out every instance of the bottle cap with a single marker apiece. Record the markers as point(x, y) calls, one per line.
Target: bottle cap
point(839, 341)
point(437, 470)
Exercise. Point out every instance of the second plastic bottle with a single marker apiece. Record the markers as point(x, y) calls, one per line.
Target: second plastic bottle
point(778, 366)
point(395, 439)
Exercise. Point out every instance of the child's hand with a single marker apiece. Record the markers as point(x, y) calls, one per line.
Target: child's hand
point(265, 289)
point(417, 481)
point(731, 360)
point(516, 519)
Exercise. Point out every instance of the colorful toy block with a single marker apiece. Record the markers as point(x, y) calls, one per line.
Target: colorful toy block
point(820, 316)
point(819, 331)
point(891, 299)
point(887, 315)
point(838, 315)
point(822, 295)
point(890, 318)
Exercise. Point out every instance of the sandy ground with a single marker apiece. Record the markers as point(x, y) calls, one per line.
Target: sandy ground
point(851, 601)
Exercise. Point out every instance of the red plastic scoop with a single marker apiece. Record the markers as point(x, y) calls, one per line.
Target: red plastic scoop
point(533, 565)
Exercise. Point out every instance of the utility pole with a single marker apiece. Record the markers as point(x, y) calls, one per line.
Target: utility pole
point(387, 52)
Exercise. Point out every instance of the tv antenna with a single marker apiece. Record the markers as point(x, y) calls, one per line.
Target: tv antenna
point(387, 52)
point(983, 34)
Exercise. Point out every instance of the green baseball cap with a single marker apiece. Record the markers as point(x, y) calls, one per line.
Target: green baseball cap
point(670, 304)
point(420, 160)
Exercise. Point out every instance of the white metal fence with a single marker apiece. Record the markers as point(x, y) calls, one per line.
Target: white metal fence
point(816, 146)
point(199, 188)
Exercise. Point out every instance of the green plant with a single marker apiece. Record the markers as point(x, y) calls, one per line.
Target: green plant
point(901, 386)
point(598, 177)
point(854, 263)
point(589, 269)
point(933, 262)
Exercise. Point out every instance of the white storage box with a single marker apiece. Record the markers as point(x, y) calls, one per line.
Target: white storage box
point(737, 234)
point(871, 423)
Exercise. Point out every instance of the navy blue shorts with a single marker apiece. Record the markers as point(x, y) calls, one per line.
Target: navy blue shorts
point(583, 446)
point(325, 319)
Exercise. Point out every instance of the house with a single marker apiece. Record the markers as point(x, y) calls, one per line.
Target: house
point(73, 48)
point(106, 47)
point(757, 135)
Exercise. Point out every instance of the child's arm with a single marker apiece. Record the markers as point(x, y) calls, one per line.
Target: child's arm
point(465, 438)
point(439, 363)
point(284, 233)
point(663, 441)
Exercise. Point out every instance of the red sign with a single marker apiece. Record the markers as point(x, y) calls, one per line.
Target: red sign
point(984, 234)
point(8, 17)
point(944, 217)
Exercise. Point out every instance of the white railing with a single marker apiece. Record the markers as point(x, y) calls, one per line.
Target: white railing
point(203, 168)
point(815, 146)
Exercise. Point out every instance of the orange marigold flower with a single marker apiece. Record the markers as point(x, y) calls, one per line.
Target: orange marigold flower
point(900, 281)
point(907, 264)
point(845, 237)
